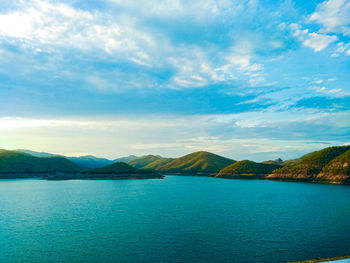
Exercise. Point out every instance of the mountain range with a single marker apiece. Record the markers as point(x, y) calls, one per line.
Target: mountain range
point(16, 164)
point(329, 165)
point(85, 161)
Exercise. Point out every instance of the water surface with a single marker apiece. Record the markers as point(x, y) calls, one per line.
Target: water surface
point(177, 219)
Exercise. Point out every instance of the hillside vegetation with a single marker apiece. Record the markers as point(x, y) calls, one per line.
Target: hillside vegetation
point(310, 165)
point(143, 161)
point(247, 169)
point(13, 162)
point(337, 170)
point(158, 164)
point(194, 163)
point(339, 165)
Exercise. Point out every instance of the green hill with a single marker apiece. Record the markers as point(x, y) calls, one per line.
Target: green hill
point(14, 164)
point(247, 169)
point(158, 164)
point(310, 165)
point(339, 165)
point(195, 164)
point(337, 170)
point(144, 161)
point(115, 168)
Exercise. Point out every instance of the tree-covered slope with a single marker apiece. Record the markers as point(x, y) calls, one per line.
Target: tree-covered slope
point(198, 162)
point(339, 165)
point(337, 170)
point(247, 169)
point(310, 165)
point(144, 161)
point(158, 164)
point(13, 162)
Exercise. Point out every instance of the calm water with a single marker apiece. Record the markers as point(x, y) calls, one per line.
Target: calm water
point(178, 219)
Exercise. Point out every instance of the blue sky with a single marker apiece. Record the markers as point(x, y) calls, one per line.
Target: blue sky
point(244, 79)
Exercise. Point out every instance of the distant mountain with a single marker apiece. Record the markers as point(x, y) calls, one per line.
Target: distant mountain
point(14, 164)
point(310, 165)
point(126, 159)
point(90, 161)
point(247, 169)
point(118, 170)
point(198, 163)
point(37, 154)
point(278, 161)
point(290, 162)
point(144, 160)
point(337, 170)
point(87, 161)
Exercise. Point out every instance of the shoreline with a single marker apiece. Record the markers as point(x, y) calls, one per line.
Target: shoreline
point(332, 259)
point(160, 175)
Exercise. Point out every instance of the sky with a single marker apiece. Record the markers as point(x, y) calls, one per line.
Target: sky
point(255, 79)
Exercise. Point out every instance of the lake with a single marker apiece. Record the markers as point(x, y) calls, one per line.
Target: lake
point(177, 219)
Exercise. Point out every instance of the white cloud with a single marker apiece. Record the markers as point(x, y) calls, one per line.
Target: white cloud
point(43, 26)
point(312, 40)
point(333, 16)
point(318, 81)
point(331, 79)
point(335, 90)
point(319, 89)
point(318, 42)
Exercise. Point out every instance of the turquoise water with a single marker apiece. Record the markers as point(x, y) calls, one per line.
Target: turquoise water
point(177, 219)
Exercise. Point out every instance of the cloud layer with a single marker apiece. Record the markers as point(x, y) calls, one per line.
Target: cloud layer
point(255, 63)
